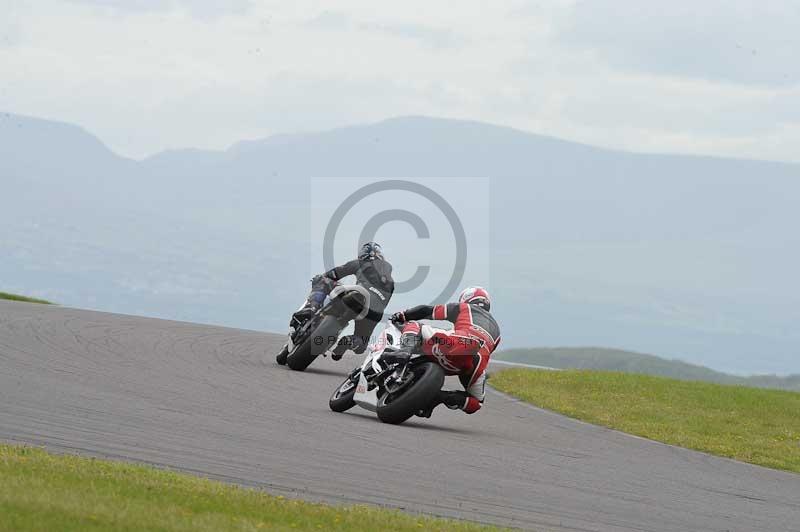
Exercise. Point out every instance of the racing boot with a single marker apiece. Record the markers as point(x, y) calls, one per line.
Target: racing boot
point(321, 286)
point(339, 350)
point(454, 400)
point(352, 342)
point(303, 315)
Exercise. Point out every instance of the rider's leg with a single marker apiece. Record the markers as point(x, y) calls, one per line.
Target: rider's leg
point(454, 353)
point(410, 343)
point(411, 337)
point(353, 342)
point(451, 350)
point(474, 383)
point(312, 305)
point(321, 286)
point(472, 376)
point(356, 342)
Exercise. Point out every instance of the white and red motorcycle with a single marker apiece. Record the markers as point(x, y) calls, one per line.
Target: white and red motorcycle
point(394, 387)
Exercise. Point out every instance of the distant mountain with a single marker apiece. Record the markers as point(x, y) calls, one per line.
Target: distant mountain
point(171, 161)
point(693, 257)
point(630, 362)
point(46, 151)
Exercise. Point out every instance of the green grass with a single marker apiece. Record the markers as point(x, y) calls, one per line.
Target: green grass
point(749, 424)
point(15, 297)
point(632, 362)
point(42, 491)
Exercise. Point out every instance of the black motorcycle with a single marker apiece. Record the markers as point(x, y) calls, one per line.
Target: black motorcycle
point(319, 333)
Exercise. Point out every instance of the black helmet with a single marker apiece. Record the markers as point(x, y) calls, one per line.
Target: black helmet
point(370, 251)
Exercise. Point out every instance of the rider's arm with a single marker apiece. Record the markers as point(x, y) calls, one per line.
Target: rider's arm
point(420, 312)
point(348, 268)
point(448, 312)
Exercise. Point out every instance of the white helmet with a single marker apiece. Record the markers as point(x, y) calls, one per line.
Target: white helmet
point(476, 295)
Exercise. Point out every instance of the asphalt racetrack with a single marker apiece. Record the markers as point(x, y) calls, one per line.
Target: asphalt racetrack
point(212, 401)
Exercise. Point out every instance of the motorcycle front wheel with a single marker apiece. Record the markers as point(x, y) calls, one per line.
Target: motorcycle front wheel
point(342, 398)
point(281, 358)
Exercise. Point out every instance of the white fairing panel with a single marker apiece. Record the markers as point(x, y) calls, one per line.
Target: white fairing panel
point(366, 398)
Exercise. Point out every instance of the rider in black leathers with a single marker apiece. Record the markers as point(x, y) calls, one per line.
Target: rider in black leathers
point(374, 273)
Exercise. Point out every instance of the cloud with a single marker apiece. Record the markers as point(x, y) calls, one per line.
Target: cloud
point(156, 74)
point(736, 41)
point(432, 37)
point(286, 103)
point(203, 9)
point(11, 26)
point(426, 35)
point(329, 20)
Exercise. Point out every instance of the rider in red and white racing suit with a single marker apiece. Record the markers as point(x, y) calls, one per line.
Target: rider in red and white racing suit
point(464, 351)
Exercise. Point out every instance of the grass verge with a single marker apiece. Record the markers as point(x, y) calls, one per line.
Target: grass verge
point(15, 297)
point(42, 491)
point(749, 424)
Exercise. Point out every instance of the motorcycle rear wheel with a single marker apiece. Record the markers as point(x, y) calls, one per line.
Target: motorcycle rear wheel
point(315, 343)
point(417, 396)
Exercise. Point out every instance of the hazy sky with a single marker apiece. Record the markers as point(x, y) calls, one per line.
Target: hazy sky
point(714, 77)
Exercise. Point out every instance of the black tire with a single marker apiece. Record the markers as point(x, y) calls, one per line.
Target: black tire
point(281, 358)
point(419, 396)
point(305, 353)
point(342, 401)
